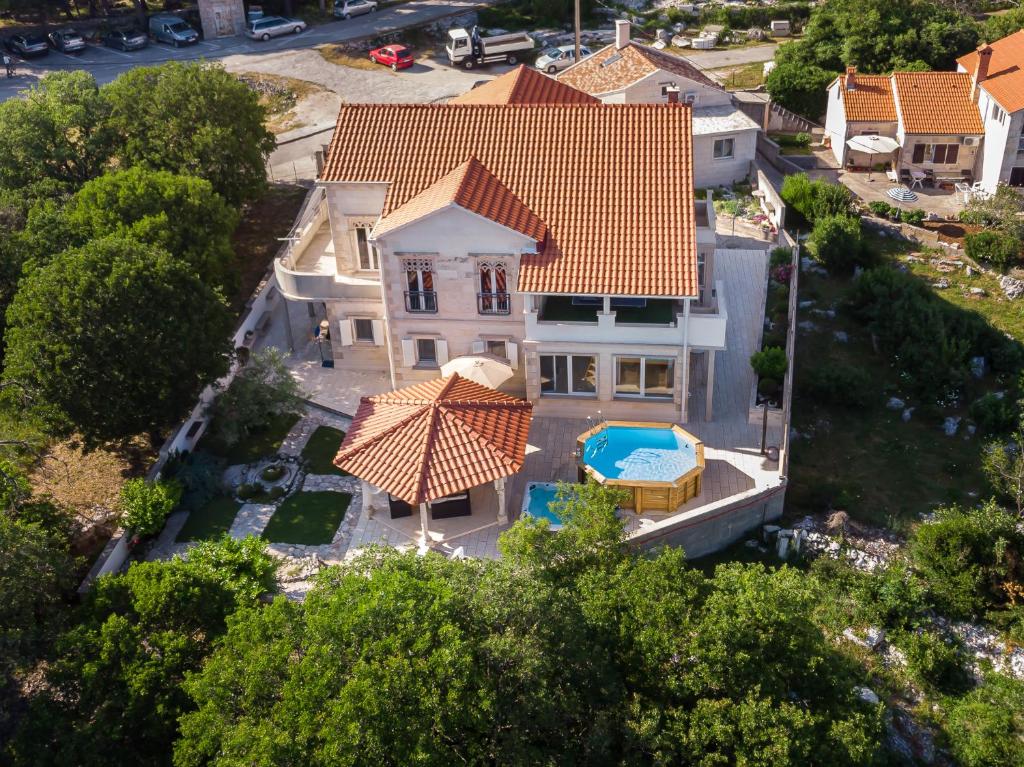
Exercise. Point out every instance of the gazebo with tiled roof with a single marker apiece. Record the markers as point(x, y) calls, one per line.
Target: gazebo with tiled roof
point(430, 441)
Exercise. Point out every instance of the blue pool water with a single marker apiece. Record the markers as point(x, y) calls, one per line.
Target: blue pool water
point(537, 503)
point(629, 452)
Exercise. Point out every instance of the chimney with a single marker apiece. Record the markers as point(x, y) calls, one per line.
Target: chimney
point(851, 78)
point(981, 71)
point(673, 94)
point(621, 34)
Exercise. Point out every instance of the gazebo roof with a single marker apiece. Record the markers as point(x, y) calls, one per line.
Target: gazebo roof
point(433, 439)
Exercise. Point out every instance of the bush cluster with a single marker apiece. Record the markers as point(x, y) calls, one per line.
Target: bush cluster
point(836, 241)
point(145, 506)
point(997, 248)
point(815, 199)
point(839, 384)
point(770, 363)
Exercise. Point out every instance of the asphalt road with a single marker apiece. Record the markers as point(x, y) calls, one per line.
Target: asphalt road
point(107, 63)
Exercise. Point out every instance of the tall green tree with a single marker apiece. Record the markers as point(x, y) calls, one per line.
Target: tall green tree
point(59, 131)
point(180, 214)
point(115, 338)
point(195, 120)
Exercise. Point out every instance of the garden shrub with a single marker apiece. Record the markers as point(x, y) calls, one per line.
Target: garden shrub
point(966, 556)
point(199, 475)
point(770, 363)
point(986, 726)
point(272, 473)
point(933, 661)
point(797, 193)
point(839, 384)
point(880, 208)
point(997, 248)
point(914, 217)
point(145, 506)
point(837, 243)
point(829, 200)
point(994, 414)
point(780, 257)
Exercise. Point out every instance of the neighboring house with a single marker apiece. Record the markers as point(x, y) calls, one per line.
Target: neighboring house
point(929, 114)
point(626, 72)
point(523, 220)
point(997, 75)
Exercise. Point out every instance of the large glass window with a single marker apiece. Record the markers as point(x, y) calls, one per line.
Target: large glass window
point(652, 377)
point(568, 374)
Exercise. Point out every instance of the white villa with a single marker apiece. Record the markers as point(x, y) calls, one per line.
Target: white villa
point(627, 72)
point(955, 127)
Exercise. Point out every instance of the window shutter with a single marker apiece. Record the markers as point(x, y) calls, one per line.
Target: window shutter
point(442, 352)
point(378, 332)
point(478, 347)
point(918, 153)
point(512, 350)
point(408, 352)
point(345, 332)
point(952, 153)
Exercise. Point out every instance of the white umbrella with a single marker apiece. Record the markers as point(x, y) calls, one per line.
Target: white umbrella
point(485, 369)
point(873, 145)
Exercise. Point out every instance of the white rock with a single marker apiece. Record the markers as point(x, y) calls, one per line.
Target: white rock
point(841, 336)
point(867, 695)
point(950, 425)
point(895, 403)
point(907, 413)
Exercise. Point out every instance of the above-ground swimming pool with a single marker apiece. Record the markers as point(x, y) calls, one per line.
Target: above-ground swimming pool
point(659, 464)
point(537, 500)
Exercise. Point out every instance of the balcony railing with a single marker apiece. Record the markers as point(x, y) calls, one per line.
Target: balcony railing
point(493, 303)
point(424, 301)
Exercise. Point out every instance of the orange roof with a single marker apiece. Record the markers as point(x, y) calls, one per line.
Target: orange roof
point(612, 69)
point(937, 102)
point(870, 100)
point(523, 85)
point(437, 438)
point(474, 188)
point(613, 183)
point(1005, 81)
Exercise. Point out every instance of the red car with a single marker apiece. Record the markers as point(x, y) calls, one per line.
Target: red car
point(394, 56)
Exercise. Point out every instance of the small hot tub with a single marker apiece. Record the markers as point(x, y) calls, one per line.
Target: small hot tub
point(537, 500)
point(658, 464)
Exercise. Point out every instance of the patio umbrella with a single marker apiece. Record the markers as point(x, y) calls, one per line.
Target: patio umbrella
point(902, 194)
point(485, 369)
point(435, 439)
point(872, 145)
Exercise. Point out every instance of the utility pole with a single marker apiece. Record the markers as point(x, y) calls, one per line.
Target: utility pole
point(576, 19)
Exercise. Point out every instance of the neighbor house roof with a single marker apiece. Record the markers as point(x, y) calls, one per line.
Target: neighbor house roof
point(612, 183)
point(471, 187)
point(870, 100)
point(937, 103)
point(612, 69)
point(437, 438)
point(1005, 81)
point(523, 85)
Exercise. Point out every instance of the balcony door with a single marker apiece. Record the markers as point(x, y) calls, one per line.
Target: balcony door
point(419, 294)
point(493, 296)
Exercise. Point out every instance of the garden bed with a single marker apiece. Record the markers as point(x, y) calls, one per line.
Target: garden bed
point(309, 519)
point(321, 450)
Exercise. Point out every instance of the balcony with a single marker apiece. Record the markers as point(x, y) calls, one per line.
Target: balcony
point(656, 321)
point(421, 301)
point(493, 303)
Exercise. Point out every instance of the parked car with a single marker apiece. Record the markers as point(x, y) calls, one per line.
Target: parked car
point(170, 29)
point(126, 39)
point(28, 45)
point(394, 56)
point(67, 41)
point(272, 26)
point(556, 59)
point(346, 9)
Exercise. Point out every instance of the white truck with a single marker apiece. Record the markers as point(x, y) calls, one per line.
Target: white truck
point(469, 48)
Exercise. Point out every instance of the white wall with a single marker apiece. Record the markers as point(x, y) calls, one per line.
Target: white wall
point(648, 91)
point(835, 122)
point(999, 154)
point(707, 171)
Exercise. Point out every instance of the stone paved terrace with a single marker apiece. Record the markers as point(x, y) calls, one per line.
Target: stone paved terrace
point(946, 204)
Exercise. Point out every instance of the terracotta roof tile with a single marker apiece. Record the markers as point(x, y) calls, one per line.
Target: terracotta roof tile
point(612, 69)
point(474, 188)
point(871, 99)
point(437, 438)
point(1005, 81)
point(612, 182)
point(523, 85)
point(937, 102)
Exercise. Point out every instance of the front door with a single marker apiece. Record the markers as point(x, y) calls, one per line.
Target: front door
point(1017, 177)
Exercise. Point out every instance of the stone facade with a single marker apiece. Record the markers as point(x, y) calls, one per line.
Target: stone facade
point(222, 18)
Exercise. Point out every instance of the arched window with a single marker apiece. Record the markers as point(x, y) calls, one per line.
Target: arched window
point(493, 294)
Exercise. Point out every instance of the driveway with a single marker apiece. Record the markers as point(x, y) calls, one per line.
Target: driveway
point(106, 64)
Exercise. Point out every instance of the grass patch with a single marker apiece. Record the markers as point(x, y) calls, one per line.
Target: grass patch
point(349, 56)
point(307, 518)
point(259, 445)
point(210, 522)
point(739, 78)
point(321, 449)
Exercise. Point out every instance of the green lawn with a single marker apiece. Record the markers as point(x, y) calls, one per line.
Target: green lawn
point(259, 445)
point(320, 451)
point(307, 518)
point(210, 522)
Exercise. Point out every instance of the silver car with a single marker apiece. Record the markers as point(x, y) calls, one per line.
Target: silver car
point(553, 60)
point(346, 9)
point(67, 41)
point(272, 26)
